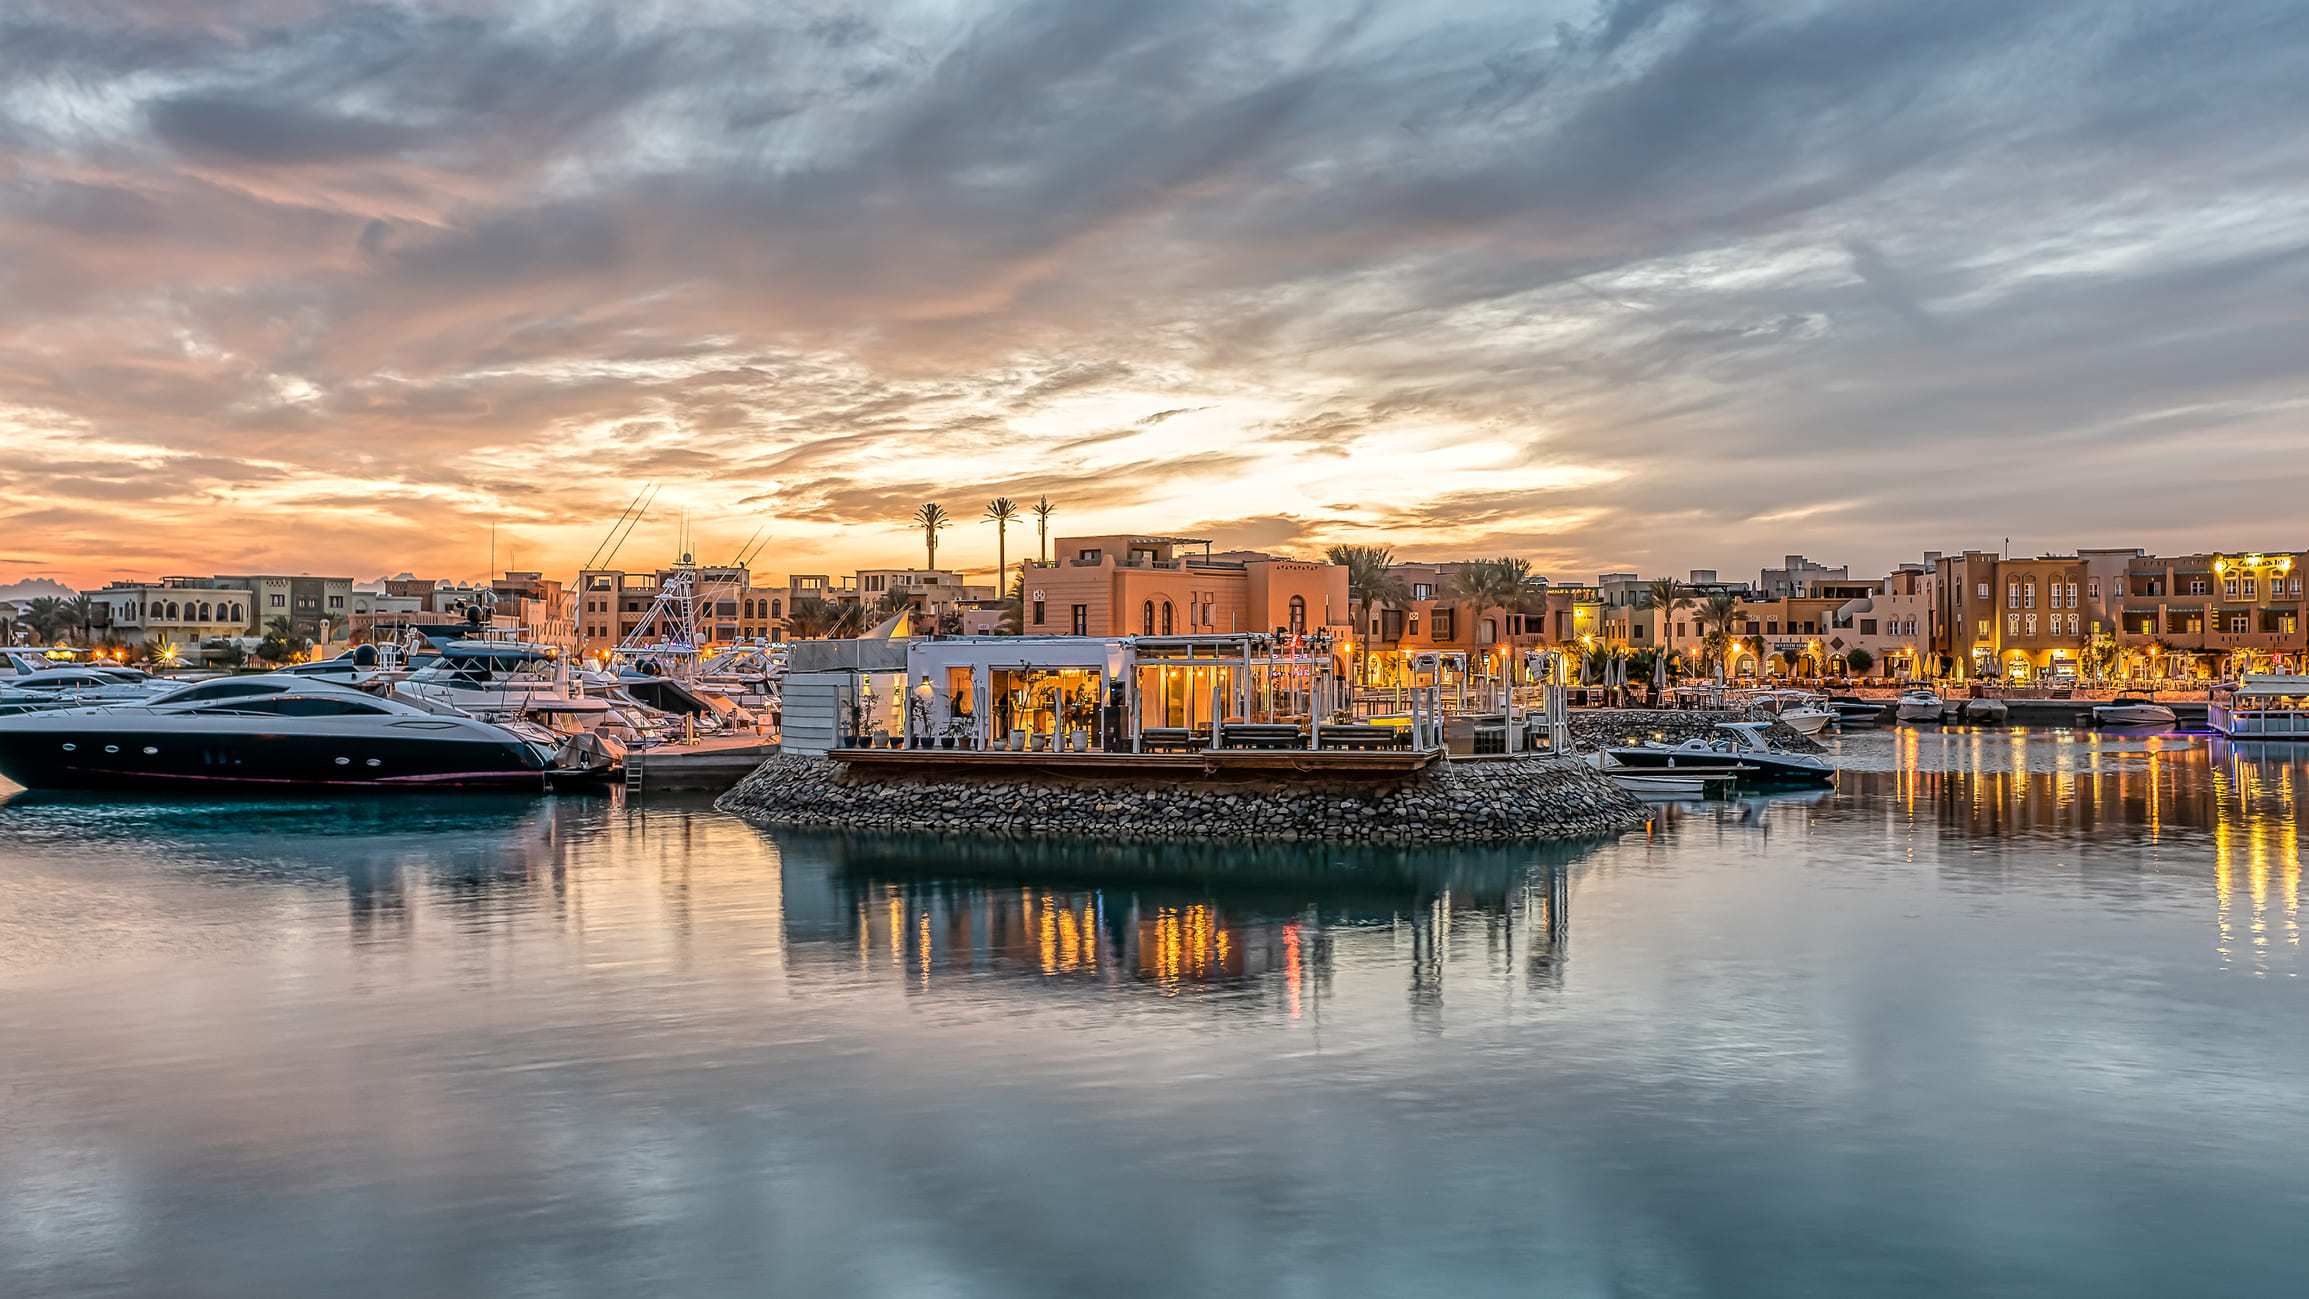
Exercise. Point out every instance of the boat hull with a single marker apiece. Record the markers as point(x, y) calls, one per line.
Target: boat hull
point(2138, 715)
point(1754, 768)
point(95, 755)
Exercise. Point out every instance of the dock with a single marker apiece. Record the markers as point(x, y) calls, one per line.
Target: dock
point(1345, 764)
point(709, 764)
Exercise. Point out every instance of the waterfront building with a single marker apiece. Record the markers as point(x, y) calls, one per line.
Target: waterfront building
point(1125, 585)
point(1797, 577)
point(318, 608)
point(183, 613)
point(614, 604)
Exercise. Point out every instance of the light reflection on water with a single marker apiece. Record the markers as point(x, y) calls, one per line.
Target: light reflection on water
point(2007, 1012)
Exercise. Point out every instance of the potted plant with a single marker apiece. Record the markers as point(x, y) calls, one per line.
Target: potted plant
point(1081, 713)
point(854, 724)
point(918, 712)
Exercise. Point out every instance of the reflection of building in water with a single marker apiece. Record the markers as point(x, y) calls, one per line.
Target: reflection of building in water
point(1256, 920)
point(2017, 800)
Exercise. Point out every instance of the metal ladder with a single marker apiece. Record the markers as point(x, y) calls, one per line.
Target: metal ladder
point(633, 765)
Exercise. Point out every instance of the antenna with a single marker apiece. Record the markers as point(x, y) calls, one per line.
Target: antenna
point(590, 560)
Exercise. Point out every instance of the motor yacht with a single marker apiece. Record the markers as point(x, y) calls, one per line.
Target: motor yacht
point(1853, 713)
point(2132, 712)
point(1920, 706)
point(283, 733)
point(1739, 747)
point(1988, 711)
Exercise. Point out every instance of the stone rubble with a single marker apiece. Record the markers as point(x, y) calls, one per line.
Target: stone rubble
point(1453, 802)
point(1593, 729)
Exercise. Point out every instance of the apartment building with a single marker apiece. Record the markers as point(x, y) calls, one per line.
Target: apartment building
point(177, 611)
point(1797, 577)
point(614, 604)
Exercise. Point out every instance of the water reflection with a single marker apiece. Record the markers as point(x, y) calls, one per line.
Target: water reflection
point(1194, 919)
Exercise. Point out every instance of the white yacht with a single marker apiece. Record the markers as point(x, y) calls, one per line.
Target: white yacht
point(2262, 706)
point(67, 687)
point(1738, 748)
point(2132, 712)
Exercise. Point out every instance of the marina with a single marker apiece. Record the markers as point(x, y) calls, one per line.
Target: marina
point(1806, 1038)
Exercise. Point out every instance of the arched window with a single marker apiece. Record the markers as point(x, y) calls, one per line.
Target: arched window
point(1166, 617)
point(1298, 613)
point(777, 608)
point(1147, 619)
point(172, 611)
point(238, 616)
point(204, 612)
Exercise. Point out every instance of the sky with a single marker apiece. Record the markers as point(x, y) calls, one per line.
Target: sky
point(353, 288)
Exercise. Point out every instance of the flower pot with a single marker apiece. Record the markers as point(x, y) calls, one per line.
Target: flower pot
point(1038, 742)
point(1081, 742)
point(946, 742)
point(1018, 741)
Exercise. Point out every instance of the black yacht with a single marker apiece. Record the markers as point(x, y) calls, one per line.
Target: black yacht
point(283, 733)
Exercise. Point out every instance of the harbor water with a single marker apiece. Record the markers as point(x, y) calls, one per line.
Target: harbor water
point(2008, 1012)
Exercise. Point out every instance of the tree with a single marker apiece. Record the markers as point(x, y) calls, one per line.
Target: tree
point(1667, 595)
point(1000, 512)
point(47, 618)
point(810, 618)
point(8, 627)
point(1492, 583)
point(1014, 609)
point(1043, 509)
point(932, 518)
point(1859, 660)
point(1595, 664)
point(1371, 579)
point(81, 613)
point(223, 653)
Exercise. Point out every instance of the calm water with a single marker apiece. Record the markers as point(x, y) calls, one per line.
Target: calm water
point(2009, 1013)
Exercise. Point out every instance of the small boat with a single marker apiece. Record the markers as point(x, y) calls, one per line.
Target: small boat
point(1697, 784)
point(1853, 713)
point(1737, 745)
point(1990, 711)
point(1920, 706)
point(2132, 712)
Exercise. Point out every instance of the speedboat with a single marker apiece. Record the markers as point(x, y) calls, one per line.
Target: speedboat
point(1807, 718)
point(74, 686)
point(285, 733)
point(2132, 712)
point(1920, 706)
point(1738, 747)
point(1853, 712)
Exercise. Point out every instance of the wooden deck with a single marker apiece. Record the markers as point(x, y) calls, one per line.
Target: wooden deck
point(1339, 762)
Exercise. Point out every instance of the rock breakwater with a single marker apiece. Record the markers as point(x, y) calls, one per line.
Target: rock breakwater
point(1604, 728)
point(1457, 802)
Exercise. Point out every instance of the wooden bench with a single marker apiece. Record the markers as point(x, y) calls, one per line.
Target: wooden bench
point(1169, 739)
point(1261, 735)
point(1358, 736)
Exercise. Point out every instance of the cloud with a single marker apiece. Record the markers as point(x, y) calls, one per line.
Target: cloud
point(1606, 282)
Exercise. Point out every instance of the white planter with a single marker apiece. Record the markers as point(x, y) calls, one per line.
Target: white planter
point(1082, 741)
point(1018, 741)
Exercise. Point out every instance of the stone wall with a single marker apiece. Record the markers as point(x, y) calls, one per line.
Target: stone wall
point(1478, 801)
point(1604, 728)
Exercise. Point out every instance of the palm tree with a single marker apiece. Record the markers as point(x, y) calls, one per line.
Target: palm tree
point(1000, 512)
point(1719, 612)
point(1492, 583)
point(47, 618)
point(1043, 509)
point(1667, 595)
point(1014, 609)
point(7, 629)
point(81, 613)
point(810, 618)
point(931, 518)
point(1371, 579)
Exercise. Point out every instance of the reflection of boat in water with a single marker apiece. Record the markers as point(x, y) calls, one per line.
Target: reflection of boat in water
point(2132, 712)
point(280, 733)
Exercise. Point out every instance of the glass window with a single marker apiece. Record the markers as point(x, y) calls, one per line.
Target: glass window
point(2012, 595)
point(2093, 588)
point(2251, 587)
point(1982, 594)
point(2012, 624)
point(2032, 624)
point(277, 601)
point(1038, 613)
point(2028, 597)
point(1422, 591)
point(1298, 613)
point(1082, 620)
point(2228, 588)
point(1146, 619)
point(1166, 617)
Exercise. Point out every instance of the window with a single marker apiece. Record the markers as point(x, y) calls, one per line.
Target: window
point(1679, 631)
point(2228, 588)
point(2197, 586)
point(2028, 597)
point(1982, 594)
point(1445, 625)
point(2093, 588)
point(1166, 617)
point(2012, 624)
point(1038, 611)
point(1146, 619)
point(1298, 613)
point(1772, 627)
point(277, 601)
point(1422, 591)
point(2236, 622)
point(1082, 620)
point(2251, 586)
point(2012, 595)
point(1636, 631)
point(1868, 626)
point(1411, 624)
point(2032, 624)
point(203, 614)
point(2072, 624)
point(2072, 595)
point(1983, 633)
point(336, 602)
point(1490, 630)
point(219, 690)
point(1089, 556)
point(777, 608)
point(1754, 628)
point(2293, 587)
